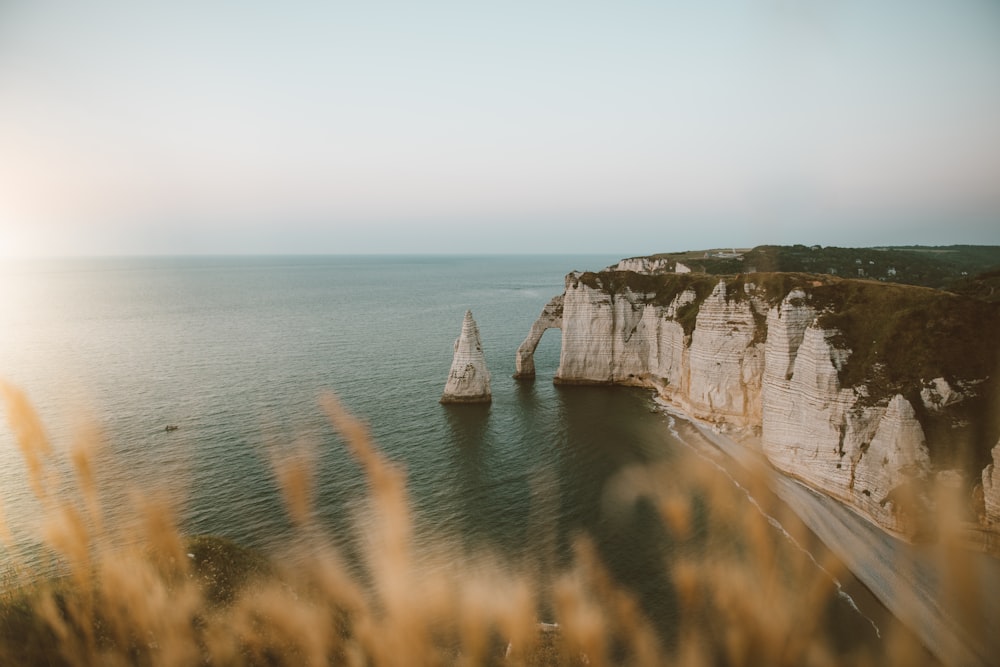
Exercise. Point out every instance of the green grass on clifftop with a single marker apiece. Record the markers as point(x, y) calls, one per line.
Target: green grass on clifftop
point(940, 267)
point(916, 333)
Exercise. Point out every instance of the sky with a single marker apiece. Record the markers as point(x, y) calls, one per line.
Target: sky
point(516, 127)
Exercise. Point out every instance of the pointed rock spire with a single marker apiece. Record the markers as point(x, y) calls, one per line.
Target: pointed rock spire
point(469, 379)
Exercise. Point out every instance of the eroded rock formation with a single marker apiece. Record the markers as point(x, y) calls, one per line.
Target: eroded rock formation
point(468, 379)
point(763, 357)
point(991, 487)
point(551, 318)
point(644, 265)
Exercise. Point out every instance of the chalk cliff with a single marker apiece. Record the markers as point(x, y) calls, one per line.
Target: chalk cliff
point(644, 265)
point(469, 379)
point(551, 318)
point(843, 380)
point(991, 488)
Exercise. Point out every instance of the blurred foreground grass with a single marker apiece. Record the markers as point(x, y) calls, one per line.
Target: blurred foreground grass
point(140, 592)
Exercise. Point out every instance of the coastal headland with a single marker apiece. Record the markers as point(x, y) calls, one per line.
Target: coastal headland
point(871, 392)
point(872, 402)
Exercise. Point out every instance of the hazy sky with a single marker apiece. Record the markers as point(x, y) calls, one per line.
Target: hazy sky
point(621, 127)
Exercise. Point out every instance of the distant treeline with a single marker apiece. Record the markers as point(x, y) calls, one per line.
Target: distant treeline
point(957, 268)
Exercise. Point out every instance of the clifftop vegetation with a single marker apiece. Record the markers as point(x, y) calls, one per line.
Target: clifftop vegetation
point(985, 286)
point(914, 332)
point(941, 267)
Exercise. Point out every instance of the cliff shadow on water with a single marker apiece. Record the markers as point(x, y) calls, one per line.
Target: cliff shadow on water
point(480, 519)
point(609, 444)
point(613, 479)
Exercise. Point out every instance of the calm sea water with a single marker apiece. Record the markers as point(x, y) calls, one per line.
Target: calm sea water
point(236, 352)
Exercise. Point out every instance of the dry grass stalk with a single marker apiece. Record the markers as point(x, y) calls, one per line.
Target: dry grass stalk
point(140, 592)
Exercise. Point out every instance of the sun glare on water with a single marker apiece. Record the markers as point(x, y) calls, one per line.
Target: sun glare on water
point(9, 242)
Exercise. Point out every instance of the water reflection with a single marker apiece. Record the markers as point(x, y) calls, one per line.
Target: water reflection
point(467, 425)
point(485, 494)
point(606, 435)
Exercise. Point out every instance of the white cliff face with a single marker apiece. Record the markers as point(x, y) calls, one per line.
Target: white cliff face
point(786, 326)
point(991, 487)
point(805, 415)
point(469, 379)
point(724, 361)
point(643, 265)
point(589, 334)
point(939, 395)
point(869, 456)
point(887, 476)
point(620, 338)
point(668, 352)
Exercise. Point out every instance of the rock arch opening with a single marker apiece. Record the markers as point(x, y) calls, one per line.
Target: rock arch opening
point(550, 318)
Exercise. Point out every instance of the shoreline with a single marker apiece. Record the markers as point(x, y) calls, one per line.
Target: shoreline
point(907, 579)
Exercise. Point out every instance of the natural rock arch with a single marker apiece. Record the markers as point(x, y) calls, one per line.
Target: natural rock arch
point(551, 318)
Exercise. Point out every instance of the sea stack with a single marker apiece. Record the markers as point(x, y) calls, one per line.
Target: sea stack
point(469, 379)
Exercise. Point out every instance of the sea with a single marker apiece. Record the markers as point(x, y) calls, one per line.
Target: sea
point(237, 351)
